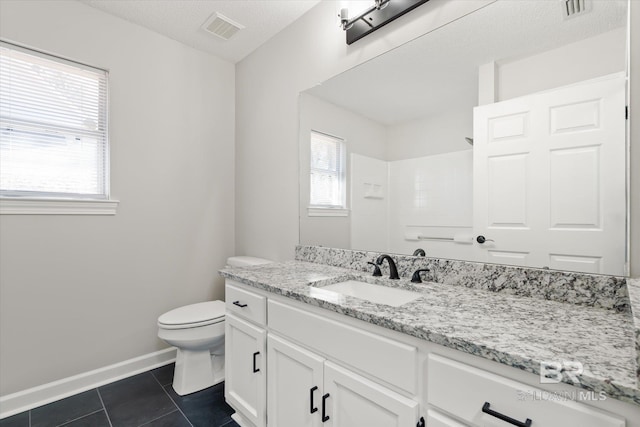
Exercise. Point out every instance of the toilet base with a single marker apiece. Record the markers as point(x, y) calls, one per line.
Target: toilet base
point(196, 370)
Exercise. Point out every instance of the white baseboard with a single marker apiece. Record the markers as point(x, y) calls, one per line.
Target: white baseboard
point(21, 401)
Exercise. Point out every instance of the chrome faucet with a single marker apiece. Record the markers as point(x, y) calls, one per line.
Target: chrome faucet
point(419, 252)
point(393, 270)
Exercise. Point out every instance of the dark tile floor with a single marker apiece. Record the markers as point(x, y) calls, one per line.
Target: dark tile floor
point(145, 399)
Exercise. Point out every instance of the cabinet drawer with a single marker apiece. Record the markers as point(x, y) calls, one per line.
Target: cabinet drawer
point(245, 304)
point(388, 360)
point(463, 390)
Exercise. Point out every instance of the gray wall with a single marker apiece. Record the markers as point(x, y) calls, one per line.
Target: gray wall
point(79, 293)
point(582, 60)
point(362, 136)
point(268, 82)
point(308, 52)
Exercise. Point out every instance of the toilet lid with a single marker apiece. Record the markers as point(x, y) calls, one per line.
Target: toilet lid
point(201, 313)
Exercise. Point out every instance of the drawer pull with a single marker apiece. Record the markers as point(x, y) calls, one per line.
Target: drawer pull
point(311, 407)
point(486, 410)
point(238, 304)
point(325, 417)
point(254, 362)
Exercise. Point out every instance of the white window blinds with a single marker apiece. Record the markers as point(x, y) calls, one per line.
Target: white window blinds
point(53, 126)
point(327, 171)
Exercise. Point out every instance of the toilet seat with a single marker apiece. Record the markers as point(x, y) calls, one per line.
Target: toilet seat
point(245, 261)
point(193, 316)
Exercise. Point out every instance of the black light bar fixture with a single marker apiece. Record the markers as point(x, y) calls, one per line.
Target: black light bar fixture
point(378, 15)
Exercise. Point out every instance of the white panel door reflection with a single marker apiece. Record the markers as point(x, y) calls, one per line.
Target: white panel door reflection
point(549, 190)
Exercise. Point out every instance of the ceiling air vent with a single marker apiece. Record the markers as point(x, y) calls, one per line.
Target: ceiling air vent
point(573, 8)
point(221, 26)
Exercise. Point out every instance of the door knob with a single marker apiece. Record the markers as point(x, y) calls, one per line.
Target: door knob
point(481, 239)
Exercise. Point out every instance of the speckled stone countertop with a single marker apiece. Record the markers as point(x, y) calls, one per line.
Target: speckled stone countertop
point(633, 286)
point(517, 331)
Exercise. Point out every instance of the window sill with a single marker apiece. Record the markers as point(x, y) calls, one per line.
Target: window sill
point(24, 206)
point(327, 212)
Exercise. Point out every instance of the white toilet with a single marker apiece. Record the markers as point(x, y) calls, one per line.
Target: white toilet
point(197, 330)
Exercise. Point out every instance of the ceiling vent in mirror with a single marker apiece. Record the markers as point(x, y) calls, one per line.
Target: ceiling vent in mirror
point(221, 26)
point(573, 8)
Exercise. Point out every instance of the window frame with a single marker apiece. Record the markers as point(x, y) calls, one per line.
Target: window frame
point(332, 210)
point(23, 202)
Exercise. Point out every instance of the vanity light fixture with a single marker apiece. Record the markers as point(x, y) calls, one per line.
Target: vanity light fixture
point(347, 23)
point(379, 14)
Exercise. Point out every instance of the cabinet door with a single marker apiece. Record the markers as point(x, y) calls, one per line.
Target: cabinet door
point(294, 385)
point(353, 401)
point(245, 377)
point(436, 419)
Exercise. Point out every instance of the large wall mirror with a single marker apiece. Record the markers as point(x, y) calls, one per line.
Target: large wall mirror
point(499, 138)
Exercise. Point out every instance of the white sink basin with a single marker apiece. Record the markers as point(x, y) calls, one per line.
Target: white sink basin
point(374, 293)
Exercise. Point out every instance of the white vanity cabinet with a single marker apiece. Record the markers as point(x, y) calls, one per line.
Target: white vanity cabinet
point(306, 390)
point(354, 401)
point(301, 380)
point(436, 419)
point(482, 398)
point(295, 384)
point(289, 364)
point(245, 356)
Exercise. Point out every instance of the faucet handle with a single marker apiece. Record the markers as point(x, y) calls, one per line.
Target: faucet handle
point(416, 275)
point(376, 271)
point(419, 252)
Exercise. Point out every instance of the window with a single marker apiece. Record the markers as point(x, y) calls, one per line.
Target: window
point(53, 127)
point(327, 173)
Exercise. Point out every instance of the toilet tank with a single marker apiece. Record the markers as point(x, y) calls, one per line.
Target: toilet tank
point(245, 261)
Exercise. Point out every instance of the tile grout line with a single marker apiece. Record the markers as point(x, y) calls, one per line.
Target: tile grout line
point(172, 401)
point(79, 418)
point(146, 423)
point(104, 407)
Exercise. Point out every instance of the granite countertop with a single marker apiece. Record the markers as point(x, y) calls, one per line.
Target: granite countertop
point(517, 331)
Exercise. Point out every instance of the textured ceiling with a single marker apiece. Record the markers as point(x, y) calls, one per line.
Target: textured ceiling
point(181, 20)
point(439, 71)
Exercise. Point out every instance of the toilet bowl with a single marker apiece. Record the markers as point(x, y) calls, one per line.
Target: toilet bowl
point(197, 331)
